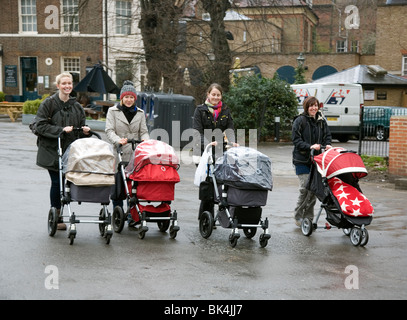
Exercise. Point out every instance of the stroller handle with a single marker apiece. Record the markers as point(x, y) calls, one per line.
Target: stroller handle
point(133, 144)
point(80, 130)
point(322, 149)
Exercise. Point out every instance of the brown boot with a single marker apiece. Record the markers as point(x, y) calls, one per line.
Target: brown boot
point(61, 225)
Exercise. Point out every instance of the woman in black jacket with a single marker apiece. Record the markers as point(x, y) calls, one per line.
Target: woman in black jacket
point(213, 118)
point(56, 114)
point(310, 131)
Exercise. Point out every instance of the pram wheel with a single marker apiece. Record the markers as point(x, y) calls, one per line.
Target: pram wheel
point(264, 239)
point(52, 221)
point(346, 231)
point(118, 219)
point(249, 232)
point(206, 222)
point(365, 237)
point(105, 228)
point(233, 239)
point(102, 217)
point(306, 227)
point(72, 233)
point(173, 231)
point(71, 238)
point(355, 236)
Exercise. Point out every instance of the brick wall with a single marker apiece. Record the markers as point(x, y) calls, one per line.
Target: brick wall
point(390, 37)
point(398, 146)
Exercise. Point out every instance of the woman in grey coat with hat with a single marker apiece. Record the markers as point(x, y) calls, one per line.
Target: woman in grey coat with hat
point(125, 121)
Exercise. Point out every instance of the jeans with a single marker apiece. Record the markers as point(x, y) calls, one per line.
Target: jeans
point(306, 200)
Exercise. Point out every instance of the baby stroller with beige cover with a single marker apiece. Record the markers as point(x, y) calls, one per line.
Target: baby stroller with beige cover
point(89, 166)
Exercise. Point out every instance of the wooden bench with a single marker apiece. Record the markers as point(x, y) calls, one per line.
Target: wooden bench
point(94, 114)
point(12, 109)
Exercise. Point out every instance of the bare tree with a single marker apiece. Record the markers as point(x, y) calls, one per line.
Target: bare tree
point(223, 58)
point(159, 29)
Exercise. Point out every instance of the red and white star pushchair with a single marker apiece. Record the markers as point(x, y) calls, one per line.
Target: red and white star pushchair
point(334, 179)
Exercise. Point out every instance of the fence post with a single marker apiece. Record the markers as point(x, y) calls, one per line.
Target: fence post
point(277, 129)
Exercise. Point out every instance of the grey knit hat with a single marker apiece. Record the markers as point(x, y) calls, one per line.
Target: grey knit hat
point(128, 89)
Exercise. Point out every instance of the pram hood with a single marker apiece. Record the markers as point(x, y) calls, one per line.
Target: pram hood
point(90, 162)
point(336, 161)
point(150, 153)
point(244, 168)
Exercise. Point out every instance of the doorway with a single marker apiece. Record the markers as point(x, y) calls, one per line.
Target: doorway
point(29, 78)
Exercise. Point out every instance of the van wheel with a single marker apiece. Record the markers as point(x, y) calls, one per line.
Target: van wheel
point(343, 138)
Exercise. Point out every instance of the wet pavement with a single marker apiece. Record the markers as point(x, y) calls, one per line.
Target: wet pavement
point(323, 266)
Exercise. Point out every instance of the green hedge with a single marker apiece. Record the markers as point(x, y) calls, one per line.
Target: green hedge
point(255, 103)
point(31, 106)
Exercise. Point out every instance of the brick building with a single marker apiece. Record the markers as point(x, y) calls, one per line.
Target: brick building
point(42, 38)
point(39, 39)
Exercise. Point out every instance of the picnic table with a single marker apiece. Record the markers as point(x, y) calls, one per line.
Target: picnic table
point(12, 109)
point(94, 114)
point(105, 105)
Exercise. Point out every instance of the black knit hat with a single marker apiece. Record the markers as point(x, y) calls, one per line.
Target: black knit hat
point(128, 89)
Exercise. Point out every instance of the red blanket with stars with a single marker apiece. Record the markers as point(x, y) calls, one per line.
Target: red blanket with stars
point(353, 203)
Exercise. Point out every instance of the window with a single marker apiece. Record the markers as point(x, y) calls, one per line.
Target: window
point(123, 17)
point(72, 65)
point(354, 46)
point(28, 15)
point(70, 15)
point(404, 66)
point(341, 46)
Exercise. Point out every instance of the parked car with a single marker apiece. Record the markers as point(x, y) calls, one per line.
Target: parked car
point(376, 120)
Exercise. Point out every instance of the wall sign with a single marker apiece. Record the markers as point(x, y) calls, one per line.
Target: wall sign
point(10, 73)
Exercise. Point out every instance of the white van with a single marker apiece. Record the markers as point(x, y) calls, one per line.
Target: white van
point(341, 105)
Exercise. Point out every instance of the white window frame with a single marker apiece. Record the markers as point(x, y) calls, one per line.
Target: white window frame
point(31, 5)
point(341, 46)
point(71, 64)
point(404, 66)
point(123, 18)
point(69, 9)
point(354, 46)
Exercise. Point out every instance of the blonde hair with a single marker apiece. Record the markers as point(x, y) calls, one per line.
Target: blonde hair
point(63, 75)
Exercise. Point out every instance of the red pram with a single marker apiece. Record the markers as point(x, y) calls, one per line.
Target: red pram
point(334, 179)
point(151, 175)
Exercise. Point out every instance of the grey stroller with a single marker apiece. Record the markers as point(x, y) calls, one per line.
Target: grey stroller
point(239, 184)
point(88, 166)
